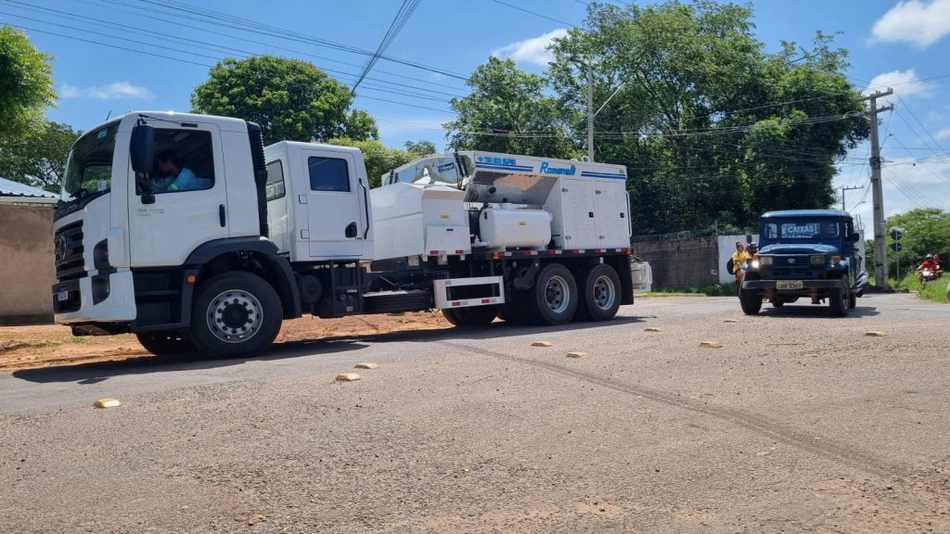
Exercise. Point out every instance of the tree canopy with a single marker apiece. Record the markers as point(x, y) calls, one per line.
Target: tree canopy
point(712, 128)
point(925, 231)
point(38, 158)
point(26, 84)
point(291, 100)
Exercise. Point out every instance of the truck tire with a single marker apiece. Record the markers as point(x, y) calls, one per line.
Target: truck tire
point(473, 317)
point(553, 298)
point(750, 302)
point(515, 310)
point(600, 293)
point(236, 314)
point(777, 303)
point(839, 299)
point(166, 343)
point(852, 301)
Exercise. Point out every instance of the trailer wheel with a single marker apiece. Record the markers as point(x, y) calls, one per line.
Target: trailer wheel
point(236, 314)
point(471, 317)
point(600, 293)
point(750, 301)
point(554, 295)
point(166, 344)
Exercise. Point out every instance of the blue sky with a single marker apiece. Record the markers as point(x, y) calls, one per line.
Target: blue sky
point(904, 45)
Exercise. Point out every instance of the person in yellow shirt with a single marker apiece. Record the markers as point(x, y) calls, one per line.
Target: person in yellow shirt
point(739, 257)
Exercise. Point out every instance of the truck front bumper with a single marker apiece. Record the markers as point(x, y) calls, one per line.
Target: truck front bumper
point(98, 297)
point(806, 285)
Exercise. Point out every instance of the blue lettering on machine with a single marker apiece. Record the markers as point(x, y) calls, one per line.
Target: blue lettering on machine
point(564, 171)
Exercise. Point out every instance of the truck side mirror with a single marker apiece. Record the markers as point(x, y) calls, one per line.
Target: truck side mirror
point(142, 148)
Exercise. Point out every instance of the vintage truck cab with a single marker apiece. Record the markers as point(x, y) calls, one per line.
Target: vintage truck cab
point(815, 254)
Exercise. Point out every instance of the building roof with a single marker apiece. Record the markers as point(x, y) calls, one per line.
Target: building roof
point(17, 192)
point(806, 213)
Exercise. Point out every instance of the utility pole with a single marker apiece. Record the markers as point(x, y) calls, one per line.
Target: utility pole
point(843, 189)
point(877, 191)
point(590, 113)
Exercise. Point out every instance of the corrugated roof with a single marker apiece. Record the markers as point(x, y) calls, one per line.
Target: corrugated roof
point(14, 189)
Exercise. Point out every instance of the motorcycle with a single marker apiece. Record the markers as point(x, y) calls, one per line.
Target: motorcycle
point(928, 275)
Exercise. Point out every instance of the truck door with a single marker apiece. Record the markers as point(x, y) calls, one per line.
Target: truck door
point(580, 224)
point(337, 218)
point(182, 203)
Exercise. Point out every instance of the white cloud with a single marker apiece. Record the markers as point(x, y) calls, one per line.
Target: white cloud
point(534, 50)
point(906, 83)
point(919, 22)
point(943, 133)
point(113, 91)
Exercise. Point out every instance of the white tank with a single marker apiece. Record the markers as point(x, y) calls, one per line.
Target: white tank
point(501, 228)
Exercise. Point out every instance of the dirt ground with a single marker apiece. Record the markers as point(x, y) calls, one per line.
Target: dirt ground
point(44, 346)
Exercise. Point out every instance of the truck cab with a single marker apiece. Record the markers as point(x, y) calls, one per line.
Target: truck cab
point(812, 254)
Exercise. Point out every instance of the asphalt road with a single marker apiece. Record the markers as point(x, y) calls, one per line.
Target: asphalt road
point(799, 423)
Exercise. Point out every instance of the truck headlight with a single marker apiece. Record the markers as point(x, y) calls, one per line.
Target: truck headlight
point(765, 260)
point(818, 260)
point(754, 264)
point(836, 260)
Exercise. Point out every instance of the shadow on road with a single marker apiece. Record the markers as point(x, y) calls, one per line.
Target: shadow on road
point(804, 308)
point(93, 373)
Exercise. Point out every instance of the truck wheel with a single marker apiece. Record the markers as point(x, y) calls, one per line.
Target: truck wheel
point(852, 301)
point(166, 344)
point(750, 301)
point(600, 293)
point(516, 310)
point(235, 314)
point(777, 303)
point(471, 317)
point(553, 299)
point(839, 299)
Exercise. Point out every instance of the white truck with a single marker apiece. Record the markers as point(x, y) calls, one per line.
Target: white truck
point(260, 235)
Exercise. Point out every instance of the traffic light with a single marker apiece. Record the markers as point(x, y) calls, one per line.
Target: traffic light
point(896, 234)
point(896, 246)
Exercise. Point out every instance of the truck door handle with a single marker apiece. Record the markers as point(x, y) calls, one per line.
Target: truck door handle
point(222, 215)
point(148, 199)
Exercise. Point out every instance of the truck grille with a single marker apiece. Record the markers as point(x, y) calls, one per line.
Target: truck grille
point(797, 267)
point(68, 250)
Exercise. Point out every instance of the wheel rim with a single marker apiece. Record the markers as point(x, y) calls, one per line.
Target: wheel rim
point(605, 292)
point(557, 294)
point(234, 316)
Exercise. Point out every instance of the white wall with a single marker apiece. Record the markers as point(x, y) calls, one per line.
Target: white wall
point(727, 245)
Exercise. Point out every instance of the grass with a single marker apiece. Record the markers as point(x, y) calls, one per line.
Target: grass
point(935, 291)
point(712, 290)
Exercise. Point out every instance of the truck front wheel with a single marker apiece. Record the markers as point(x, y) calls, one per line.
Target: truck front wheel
point(471, 317)
point(166, 344)
point(750, 301)
point(839, 299)
point(235, 314)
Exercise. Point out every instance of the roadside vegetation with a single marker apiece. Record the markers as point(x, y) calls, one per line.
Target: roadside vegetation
point(935, 291)
point(712, 290)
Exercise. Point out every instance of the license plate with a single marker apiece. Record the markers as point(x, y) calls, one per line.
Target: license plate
point(788, 285)
point(62, 295)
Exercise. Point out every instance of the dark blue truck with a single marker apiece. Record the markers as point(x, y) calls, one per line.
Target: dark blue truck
point(811, 254)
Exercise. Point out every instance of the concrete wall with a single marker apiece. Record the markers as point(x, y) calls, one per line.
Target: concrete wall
point(727, 245)
point(681, 263)
point(26, 264)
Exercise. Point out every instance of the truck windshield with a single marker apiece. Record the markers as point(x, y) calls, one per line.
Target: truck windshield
point(803, 229)
point(89, 167)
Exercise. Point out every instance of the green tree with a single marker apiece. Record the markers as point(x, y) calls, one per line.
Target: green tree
point(26, 84)
point(709, 125)
point(925, 231)
point(290, 99)
point(420, 148)
point(39, 158)
point(508, 111)
point(360, 126)
point(379, 159)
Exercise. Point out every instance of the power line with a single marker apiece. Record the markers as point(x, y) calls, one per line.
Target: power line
point(406, 10)
point(535, 13)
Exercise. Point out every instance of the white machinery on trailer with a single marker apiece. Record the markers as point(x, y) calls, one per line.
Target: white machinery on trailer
point(240, 237)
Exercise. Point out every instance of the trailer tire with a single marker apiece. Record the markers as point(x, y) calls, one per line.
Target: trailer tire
point(750, 301)
point(553, 298)
point(236, 314)
point(166, 343)
point(473, 317)
point(600, 293)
